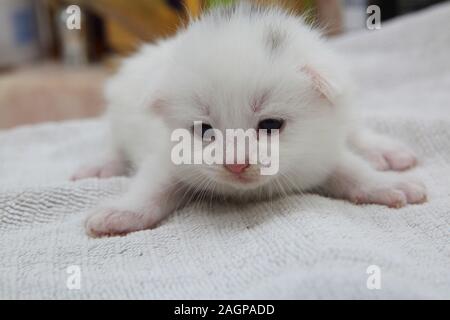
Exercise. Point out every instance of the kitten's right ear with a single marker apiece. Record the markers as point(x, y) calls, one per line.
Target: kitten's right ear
point(158, 107)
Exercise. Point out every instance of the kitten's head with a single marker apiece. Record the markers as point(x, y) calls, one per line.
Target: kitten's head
point(255, 76)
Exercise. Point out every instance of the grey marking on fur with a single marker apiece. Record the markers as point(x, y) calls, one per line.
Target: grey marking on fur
point(275, 39)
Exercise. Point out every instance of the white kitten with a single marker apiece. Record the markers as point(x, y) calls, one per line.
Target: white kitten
point(234, 68)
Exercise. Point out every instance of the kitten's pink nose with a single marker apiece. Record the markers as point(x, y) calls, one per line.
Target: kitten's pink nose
point(236, 168)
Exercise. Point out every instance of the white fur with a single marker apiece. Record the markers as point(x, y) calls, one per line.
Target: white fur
point(212, 71)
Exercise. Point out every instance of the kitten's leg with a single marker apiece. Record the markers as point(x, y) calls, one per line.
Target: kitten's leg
point(355, 180)
point(113, 165)
point(382, 152)
point(149, 200)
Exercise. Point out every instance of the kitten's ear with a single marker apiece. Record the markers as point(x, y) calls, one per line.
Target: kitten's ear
point(325, 87)
point(158, 107)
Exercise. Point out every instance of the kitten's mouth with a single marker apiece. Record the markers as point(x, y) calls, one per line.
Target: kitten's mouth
point(241, 179)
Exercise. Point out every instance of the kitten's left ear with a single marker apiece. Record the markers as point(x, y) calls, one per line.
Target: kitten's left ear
point(326, 87)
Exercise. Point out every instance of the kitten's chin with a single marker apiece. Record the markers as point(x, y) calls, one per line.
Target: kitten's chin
point(242, 183)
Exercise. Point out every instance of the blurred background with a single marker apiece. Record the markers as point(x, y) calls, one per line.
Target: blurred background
point(49, 72)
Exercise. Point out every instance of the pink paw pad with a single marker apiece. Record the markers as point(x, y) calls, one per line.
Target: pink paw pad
point(415, 192)
point(394, 196)
point(400, 160)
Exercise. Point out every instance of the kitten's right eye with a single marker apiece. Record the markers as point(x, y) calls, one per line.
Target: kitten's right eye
point(205, 127)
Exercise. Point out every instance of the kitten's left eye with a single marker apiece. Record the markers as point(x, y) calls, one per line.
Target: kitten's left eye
point(205, 127)
point(270, 124)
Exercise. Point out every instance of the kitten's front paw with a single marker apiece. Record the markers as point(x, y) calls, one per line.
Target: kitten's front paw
point(114, 222)
point(396, 195)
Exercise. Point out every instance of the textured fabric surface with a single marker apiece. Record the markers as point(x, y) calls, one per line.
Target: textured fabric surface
point(298, 247)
